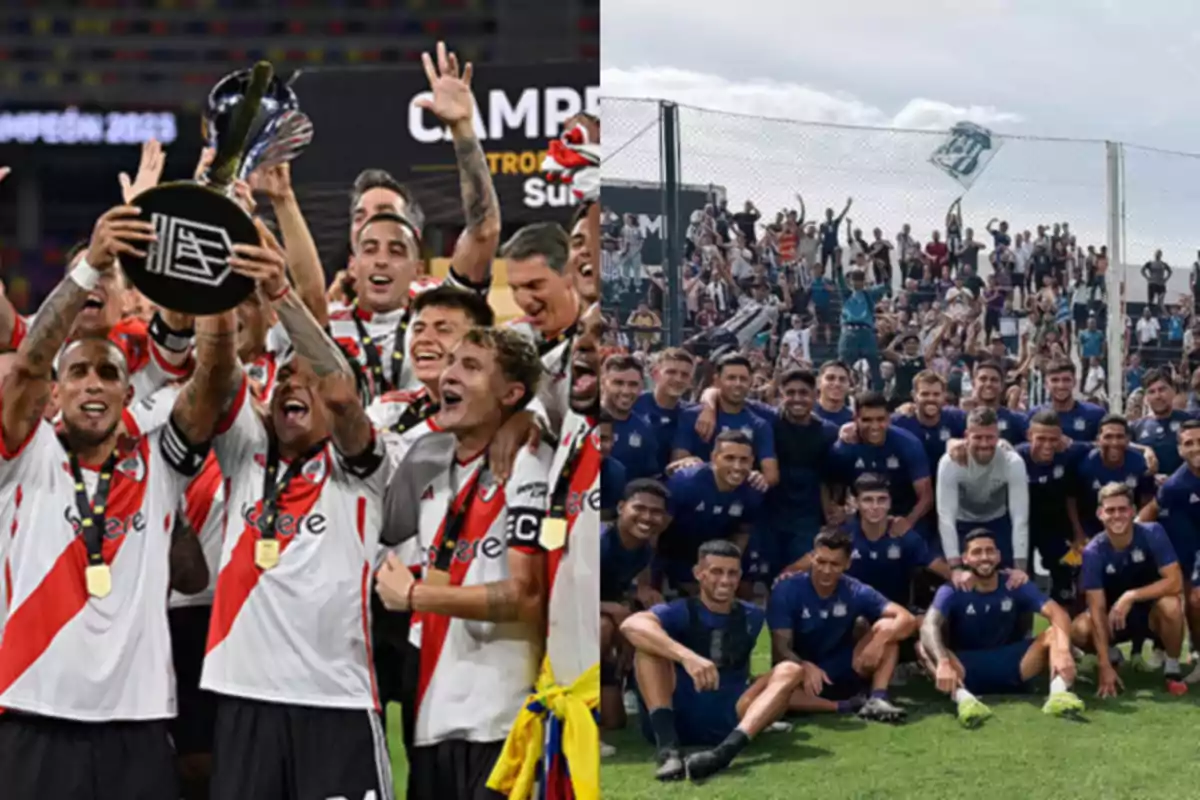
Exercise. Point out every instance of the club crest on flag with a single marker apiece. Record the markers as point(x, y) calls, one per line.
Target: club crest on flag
point(966, 152)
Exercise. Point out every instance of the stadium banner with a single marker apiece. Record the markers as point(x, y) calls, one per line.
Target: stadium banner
point(80, 127)
point(644, 200)
point(367, 118)
point(966, 152)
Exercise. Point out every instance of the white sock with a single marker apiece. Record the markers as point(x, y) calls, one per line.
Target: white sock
point(1058, 685)
point(1171, 666)
point(961, 694)
point(1113, 653)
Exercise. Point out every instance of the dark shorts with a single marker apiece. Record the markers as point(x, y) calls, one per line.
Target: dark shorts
point(42, 758)
point(996, 671)
point(702, 719)
point(397, 663)
point(276, 751)
point(192, 729)
point(844, 681)
point(454, 770)
point(784, 543)
point(1137, 625)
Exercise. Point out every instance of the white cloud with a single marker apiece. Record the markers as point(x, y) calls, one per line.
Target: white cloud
point(785, 100)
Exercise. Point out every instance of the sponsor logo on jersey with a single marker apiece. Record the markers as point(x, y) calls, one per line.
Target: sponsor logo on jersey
point(534, 491)
point(114, 528)
point(467, 551)
point(577, 501)
point(287, 524)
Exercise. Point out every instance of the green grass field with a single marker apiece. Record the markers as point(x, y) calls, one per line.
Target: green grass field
point(1141, 745)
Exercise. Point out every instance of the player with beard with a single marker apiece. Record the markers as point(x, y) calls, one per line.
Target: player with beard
point(634, 442)
point(1177, 508)
point(1159, 430)
point(987, 650)
point(570, 538)
point(814, 621)
point(537, 257)
point(306, 477)
point(85, 671)
point(928, 418)
point(834, 384)
point(385, 233)
point(662, 405)
point(693, 671)
point(481, 600)
point(987, 390)
point(1080, 421)
point(991, 491)
point(1132, 580)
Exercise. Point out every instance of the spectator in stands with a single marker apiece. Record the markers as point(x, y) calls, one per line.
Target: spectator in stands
point(1157, 273)
point(1091, 340)
point(1147, 333)
point(858, 339)
point(646, 325)
point(830, 252)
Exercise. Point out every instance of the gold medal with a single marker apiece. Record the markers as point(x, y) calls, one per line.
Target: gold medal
point(437, 577)
point(554, 533)
point(99, 580)
point(266, 553)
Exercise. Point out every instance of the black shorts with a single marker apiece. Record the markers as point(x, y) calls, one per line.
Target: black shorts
point(397, 665)
point(43, 757)
point(453, 770)
point(192, 729)
point(274, 751)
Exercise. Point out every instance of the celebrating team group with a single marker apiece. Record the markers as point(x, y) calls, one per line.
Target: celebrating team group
point(890, 543)
point(229, 541)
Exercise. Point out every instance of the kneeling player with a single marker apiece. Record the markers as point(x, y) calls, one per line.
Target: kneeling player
point(693, 670)
point(813, 618)
point(991, 654)
point(1132, 580)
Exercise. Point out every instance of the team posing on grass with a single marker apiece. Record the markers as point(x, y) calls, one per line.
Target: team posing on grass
point(876, 566)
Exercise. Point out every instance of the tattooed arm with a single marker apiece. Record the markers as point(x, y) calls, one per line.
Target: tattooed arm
point(303, 261)
point(210, 392)
point(781, 647)
point(519, 598)
point(27, 389)
point(189, 570)
point(932, 638)
point(309, 338)
point(477, 244)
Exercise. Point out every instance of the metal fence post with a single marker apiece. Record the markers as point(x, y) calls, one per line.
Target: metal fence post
point(1114, 280)
point(673, 228)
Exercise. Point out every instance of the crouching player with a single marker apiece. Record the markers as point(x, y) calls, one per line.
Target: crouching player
point(991, 653)
point(693, 670)
point(814, 620)
point(1132, 580)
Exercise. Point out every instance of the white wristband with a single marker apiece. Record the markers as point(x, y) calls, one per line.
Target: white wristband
point(85, 275)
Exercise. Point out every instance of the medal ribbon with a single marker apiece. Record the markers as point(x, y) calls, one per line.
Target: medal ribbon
point(455, 517)
point(372, 352)
point(562, 489)
point(417, 412)
point(272, 488)
point(92, 512)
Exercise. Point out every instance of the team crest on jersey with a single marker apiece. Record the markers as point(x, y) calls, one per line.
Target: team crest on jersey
point(1174, 426)
point(735, 510)
point(1003, 425)
point(839, 609)
point(893, 462)
point(894, 552)
point(314, 471)
point(488, 486)
point(133, 467)
point(635, 440)
point(944, 434)
point(1080, 424)
point(256, 372)
point(1006, 604)
point(1059, 471)
point(1137, 555)
point(1131, 481)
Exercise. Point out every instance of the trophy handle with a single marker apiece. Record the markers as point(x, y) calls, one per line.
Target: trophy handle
point(229, 155)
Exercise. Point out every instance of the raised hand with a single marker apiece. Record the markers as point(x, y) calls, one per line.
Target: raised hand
point(149, 171)
point(265, 264)
point(116, 233)
point(452, 101)
point(274, 181)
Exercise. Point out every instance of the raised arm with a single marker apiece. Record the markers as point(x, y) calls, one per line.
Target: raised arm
point(27, 389)
point(303, 261)
point(454, 104)
point(845, 209)
point(210, 392)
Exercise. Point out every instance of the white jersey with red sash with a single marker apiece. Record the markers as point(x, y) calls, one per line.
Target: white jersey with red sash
point(296, 632)
point(573, 565)
point(66, 653)
point(474, 676)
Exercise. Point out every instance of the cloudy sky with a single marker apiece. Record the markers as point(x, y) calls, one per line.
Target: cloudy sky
point(1096, 69)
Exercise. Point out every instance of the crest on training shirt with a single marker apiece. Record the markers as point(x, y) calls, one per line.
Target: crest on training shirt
point(1174, 426)
point(839, 609)
point(1006, 604)
point(944, 434)
point(718, 509)
point(133, 467)
point(1059, 471)
point(894, 552)
point(635, 440)
point(1137, 555)
point(1002, 425)
point(735, 510)
point(893, 462)
point(1131, 481)
point(1079, 424)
